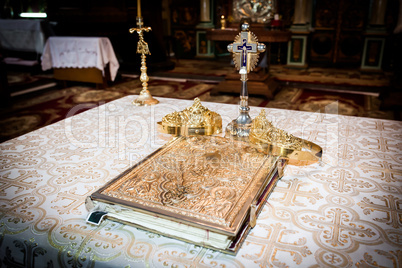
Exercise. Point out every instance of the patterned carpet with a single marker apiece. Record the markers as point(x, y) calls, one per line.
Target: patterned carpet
point(19, 82)
point(32, 111)
point(339, 77)
point(203, 67)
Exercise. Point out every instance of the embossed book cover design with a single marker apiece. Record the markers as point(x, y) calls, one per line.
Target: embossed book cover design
point(203, 182)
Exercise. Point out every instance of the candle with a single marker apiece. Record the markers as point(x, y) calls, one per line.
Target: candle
point(139, 8)
point(223, 22)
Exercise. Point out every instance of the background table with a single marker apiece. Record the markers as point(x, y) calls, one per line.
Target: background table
point(80, 58)
point(22, 35)
point(263, 35)
point(343, 212)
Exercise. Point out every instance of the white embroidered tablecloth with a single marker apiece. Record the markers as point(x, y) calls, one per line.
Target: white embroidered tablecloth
point(343, 212)
point(80, 52)
point(22, 35)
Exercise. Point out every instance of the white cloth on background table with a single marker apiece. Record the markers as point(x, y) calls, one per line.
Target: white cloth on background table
point(22, 35)
point(80, 52)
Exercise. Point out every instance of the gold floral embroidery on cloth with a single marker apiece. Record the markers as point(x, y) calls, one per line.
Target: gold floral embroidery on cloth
point(194, 120)
point(272, 140)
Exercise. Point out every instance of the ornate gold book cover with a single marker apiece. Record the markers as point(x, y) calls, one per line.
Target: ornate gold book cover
point(206, 182)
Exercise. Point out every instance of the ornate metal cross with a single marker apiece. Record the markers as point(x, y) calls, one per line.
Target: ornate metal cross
point(245, 51)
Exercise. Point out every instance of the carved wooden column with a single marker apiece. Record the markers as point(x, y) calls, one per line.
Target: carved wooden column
point(300, 15)
point(205, 16)
point(297, 46)
point(378, 13)
point(374, 42)
point(205, 47)
point(398, 28)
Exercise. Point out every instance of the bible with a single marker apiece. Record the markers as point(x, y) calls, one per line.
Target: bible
point(205, 190)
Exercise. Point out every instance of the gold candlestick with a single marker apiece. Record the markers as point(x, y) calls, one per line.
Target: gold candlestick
point(145, 97)
point(223, 22)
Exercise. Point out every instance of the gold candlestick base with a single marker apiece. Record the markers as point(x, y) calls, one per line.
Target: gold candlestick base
point(145, 97)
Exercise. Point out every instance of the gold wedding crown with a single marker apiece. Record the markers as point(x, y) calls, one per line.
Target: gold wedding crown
point(263, 131)
point(194, 120)
point(271, 140)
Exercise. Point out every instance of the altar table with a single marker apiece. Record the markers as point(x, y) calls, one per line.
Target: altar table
point(80, 58)
point(343, 212)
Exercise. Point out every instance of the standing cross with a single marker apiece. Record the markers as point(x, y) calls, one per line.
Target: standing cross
point(246, 50)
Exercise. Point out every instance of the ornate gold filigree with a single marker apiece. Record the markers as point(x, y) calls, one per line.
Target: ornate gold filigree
point(272, 140)
point(142, 46)
point(194, 120)
point(263, 130)
point(145, 97)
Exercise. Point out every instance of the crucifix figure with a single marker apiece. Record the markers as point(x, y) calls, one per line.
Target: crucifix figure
point(245, 51)
point(244, 48)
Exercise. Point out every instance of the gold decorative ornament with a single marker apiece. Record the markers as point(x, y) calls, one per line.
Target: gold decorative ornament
point(271, 140)
point(194, 120)
point(145, 98)
point(258, 11)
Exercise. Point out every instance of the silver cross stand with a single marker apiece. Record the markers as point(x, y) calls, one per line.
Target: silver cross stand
point(245, 51)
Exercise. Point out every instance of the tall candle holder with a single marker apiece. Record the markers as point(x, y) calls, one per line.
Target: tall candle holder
point(145, 98)
point(223, 22)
